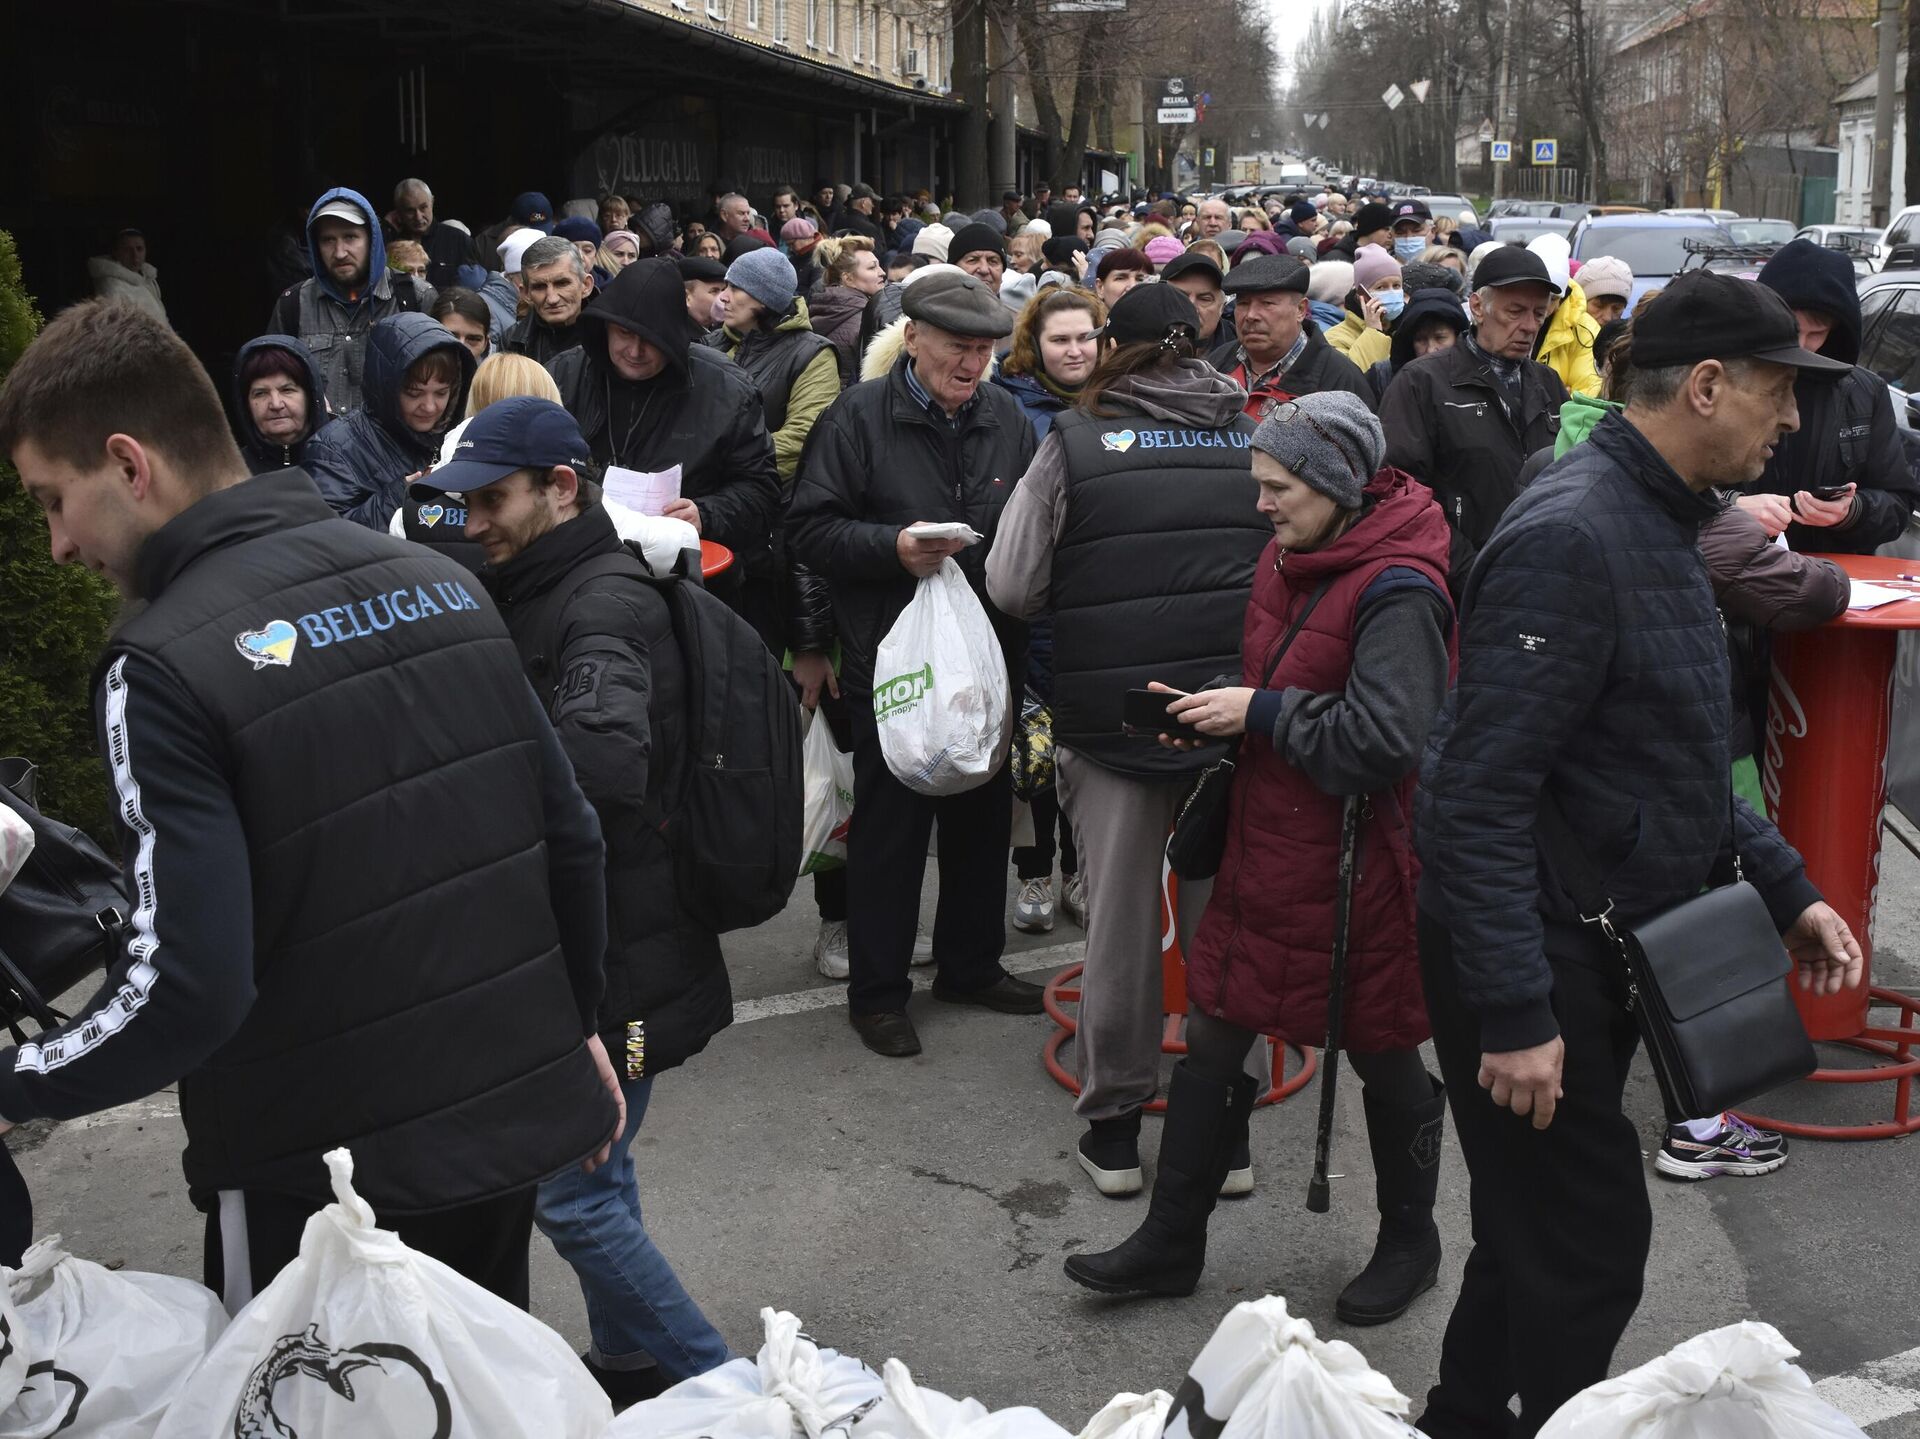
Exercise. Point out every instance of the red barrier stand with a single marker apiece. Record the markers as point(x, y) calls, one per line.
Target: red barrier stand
point(1064, 989)
point(715, 559)
point(1823, 769)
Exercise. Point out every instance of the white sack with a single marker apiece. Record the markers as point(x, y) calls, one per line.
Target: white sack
point(910, 1412)
point(940, 696)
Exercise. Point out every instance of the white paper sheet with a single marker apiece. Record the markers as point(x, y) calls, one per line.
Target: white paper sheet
point(1870, 596)
point(649, 492)
point(948, 530)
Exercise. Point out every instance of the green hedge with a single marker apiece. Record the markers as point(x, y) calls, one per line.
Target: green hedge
point(53, 623)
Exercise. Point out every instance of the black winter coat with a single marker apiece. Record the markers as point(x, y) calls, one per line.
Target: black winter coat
point(1593, 668)
point(531, 336)
point(261, 453)
point(610, 675)
point(1450, 425)
point(1320, 367)
point(361, 461)
point(878, 461)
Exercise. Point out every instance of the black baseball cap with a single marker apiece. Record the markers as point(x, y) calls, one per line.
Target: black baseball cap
point(1512, 265)
point(1151, 313)
point(521, 433)
point(1705, 315)
point(1190, 261)
point(1411, 210)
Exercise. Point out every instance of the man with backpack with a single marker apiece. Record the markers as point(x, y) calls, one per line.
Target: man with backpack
point(601, 640)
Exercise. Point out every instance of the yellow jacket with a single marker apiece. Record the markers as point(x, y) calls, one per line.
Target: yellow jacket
point(1566, 346)
point(1359, 342)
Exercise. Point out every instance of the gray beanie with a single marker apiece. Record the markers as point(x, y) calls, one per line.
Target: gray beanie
point(768, 276)
point(1330, 440)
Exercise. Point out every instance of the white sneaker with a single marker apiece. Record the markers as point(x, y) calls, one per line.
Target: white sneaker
point(922, 946)
point(830, 949)
point(1033, 910)
point(1073, 899)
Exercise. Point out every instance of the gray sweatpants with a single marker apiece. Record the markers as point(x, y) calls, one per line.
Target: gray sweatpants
point(1120, 823)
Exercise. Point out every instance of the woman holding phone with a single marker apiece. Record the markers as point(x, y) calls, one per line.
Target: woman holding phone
point(1348, 652)
point(1135, 528)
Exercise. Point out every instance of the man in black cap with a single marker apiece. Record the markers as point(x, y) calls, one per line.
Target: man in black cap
point(650, 398)
point(706, 281)
point(1042, 199)
point(858, 218)
point(1464, 420)
point(980, 250)
point(600, 652)
point(1372, 225)
point(1011, 212)
point(1278, 353)
point(1593, 672)
point(928, 441)
point(1195, 275)
point(1412, 229)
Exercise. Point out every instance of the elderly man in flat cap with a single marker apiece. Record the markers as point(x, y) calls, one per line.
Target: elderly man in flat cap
point(928, 441)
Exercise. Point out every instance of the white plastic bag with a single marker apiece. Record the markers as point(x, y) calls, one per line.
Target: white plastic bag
point(16, 844)
point(940, 696)
point(1130, 1416)
point(362, 1338)
point(1731, 1383)
point(829, 799)
point(792, 1388)
point(1264, 1373)
point(910, 1412)
point(89, 1351)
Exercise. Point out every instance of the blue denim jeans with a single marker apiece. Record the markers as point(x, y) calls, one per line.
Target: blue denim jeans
point(636, 1308)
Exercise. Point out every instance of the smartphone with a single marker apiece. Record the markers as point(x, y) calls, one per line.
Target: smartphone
point(1363, 292)
point(1830, 492)
point(1144, 712)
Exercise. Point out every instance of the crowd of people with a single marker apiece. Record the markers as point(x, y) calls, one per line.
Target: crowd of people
point(1403, 513)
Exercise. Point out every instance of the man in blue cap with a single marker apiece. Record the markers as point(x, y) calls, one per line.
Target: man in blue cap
point(614, 684)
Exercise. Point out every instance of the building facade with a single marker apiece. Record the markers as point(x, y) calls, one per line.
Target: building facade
point(1853, 199)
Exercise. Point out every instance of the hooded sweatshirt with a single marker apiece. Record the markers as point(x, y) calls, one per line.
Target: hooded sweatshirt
point(330, 321)
point(261, 453)
point(1847, 432)
point(361, 461)
point(114, 281)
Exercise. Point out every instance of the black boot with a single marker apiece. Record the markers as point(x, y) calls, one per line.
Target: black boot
point(1406, 1167)
point(1167, 1252)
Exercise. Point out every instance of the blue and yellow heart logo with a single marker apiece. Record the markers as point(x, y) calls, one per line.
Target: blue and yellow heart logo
point(271, 644)
point(431, 515)
point(1119, 441)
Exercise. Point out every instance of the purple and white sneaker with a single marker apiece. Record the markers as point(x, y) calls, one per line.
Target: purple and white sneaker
point(1736, 1147)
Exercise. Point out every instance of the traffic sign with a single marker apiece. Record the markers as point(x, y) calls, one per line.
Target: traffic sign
point(1206, 157)
point(1392, 95)
point(1502, 151)
point(1546, 152)
point(1486, 131)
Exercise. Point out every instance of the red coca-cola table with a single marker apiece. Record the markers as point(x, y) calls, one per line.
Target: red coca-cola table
point(1823, 767)
point(715, 559)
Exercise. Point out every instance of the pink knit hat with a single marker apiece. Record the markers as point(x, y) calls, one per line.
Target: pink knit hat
point(1372, 263)
point(1162, 248)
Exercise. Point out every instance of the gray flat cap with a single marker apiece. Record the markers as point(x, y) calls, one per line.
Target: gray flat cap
point(959, 304)
point(1269, 272)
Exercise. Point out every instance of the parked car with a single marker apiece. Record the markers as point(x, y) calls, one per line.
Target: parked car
point(1450, 206)
point(1654, 246)
point(1696, 212)
point(1760, 232)
point(1903, 234)
point(1890, 335)
point(1859, 241)
point(1519, 229)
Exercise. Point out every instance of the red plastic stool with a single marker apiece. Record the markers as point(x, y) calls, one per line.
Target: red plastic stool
point(1064, 988)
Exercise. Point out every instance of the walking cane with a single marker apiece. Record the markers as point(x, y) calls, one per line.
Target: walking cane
point(1319, 1196)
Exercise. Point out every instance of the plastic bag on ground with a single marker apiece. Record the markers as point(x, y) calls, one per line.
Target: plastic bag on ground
point(88, 1351)
point(1264, 1373)
point(792, 1389)
point(1732, 1383)
point(940, 696)
point(1130, 1416)
point(828, 799)
point(361, 1337)
point(910, 1412)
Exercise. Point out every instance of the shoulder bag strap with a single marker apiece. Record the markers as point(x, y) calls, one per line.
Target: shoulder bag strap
point(1567, 858)
point(1293, 630)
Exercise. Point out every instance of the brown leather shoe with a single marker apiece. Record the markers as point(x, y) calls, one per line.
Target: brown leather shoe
point(1006, 995)
point(888, 1033)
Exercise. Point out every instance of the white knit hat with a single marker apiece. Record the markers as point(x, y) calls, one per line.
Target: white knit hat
point(932, 241)
point(1607, 275)
point(515, 245)
point(1329, 280)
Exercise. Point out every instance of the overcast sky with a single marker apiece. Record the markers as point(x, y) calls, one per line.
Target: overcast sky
point(1290, 21)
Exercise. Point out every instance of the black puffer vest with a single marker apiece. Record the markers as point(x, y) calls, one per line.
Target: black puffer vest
point(1151, 575)
point(441, 524)
point(412, 1000)
point(773, 360)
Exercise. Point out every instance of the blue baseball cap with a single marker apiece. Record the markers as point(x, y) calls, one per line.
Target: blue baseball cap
point(534, 210)
point(521, 433)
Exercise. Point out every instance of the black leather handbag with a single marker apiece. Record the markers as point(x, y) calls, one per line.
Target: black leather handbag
point(1199, 838)
point(1707, 981)
point(61, 917)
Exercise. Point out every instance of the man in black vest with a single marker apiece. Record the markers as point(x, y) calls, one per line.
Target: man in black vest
point(600, 652)
point(926, 441)
point(358, 952)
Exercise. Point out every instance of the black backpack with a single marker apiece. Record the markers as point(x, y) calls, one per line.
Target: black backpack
point(731, 813)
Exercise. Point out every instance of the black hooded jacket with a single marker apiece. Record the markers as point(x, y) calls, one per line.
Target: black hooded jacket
point(261, 453)
point(655, 223)
point(1847, 431)
point(701, 412)
point(361, 461)
point(1421, 306)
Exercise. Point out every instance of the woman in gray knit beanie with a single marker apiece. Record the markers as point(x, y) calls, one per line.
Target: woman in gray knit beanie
point(1345, 659)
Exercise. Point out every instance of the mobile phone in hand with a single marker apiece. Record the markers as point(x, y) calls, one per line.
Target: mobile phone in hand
point(1830, 492)
point(1144, 712)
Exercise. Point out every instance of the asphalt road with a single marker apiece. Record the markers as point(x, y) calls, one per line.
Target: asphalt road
point(921, 1208)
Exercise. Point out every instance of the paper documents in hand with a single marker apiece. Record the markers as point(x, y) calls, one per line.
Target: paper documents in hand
point(649, 492)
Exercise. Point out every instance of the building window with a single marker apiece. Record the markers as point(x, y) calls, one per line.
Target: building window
point(753, 14)
point(779, 22)
point(717, 10)
point(813, 24)
point(859, 32)
point(896, 46)
point(833, 25)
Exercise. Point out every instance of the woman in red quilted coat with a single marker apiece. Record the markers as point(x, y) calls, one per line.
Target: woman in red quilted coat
point(1347, 655)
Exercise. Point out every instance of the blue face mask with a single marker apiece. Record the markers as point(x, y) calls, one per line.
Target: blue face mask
point(1392, 302)
point(1408, 247)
